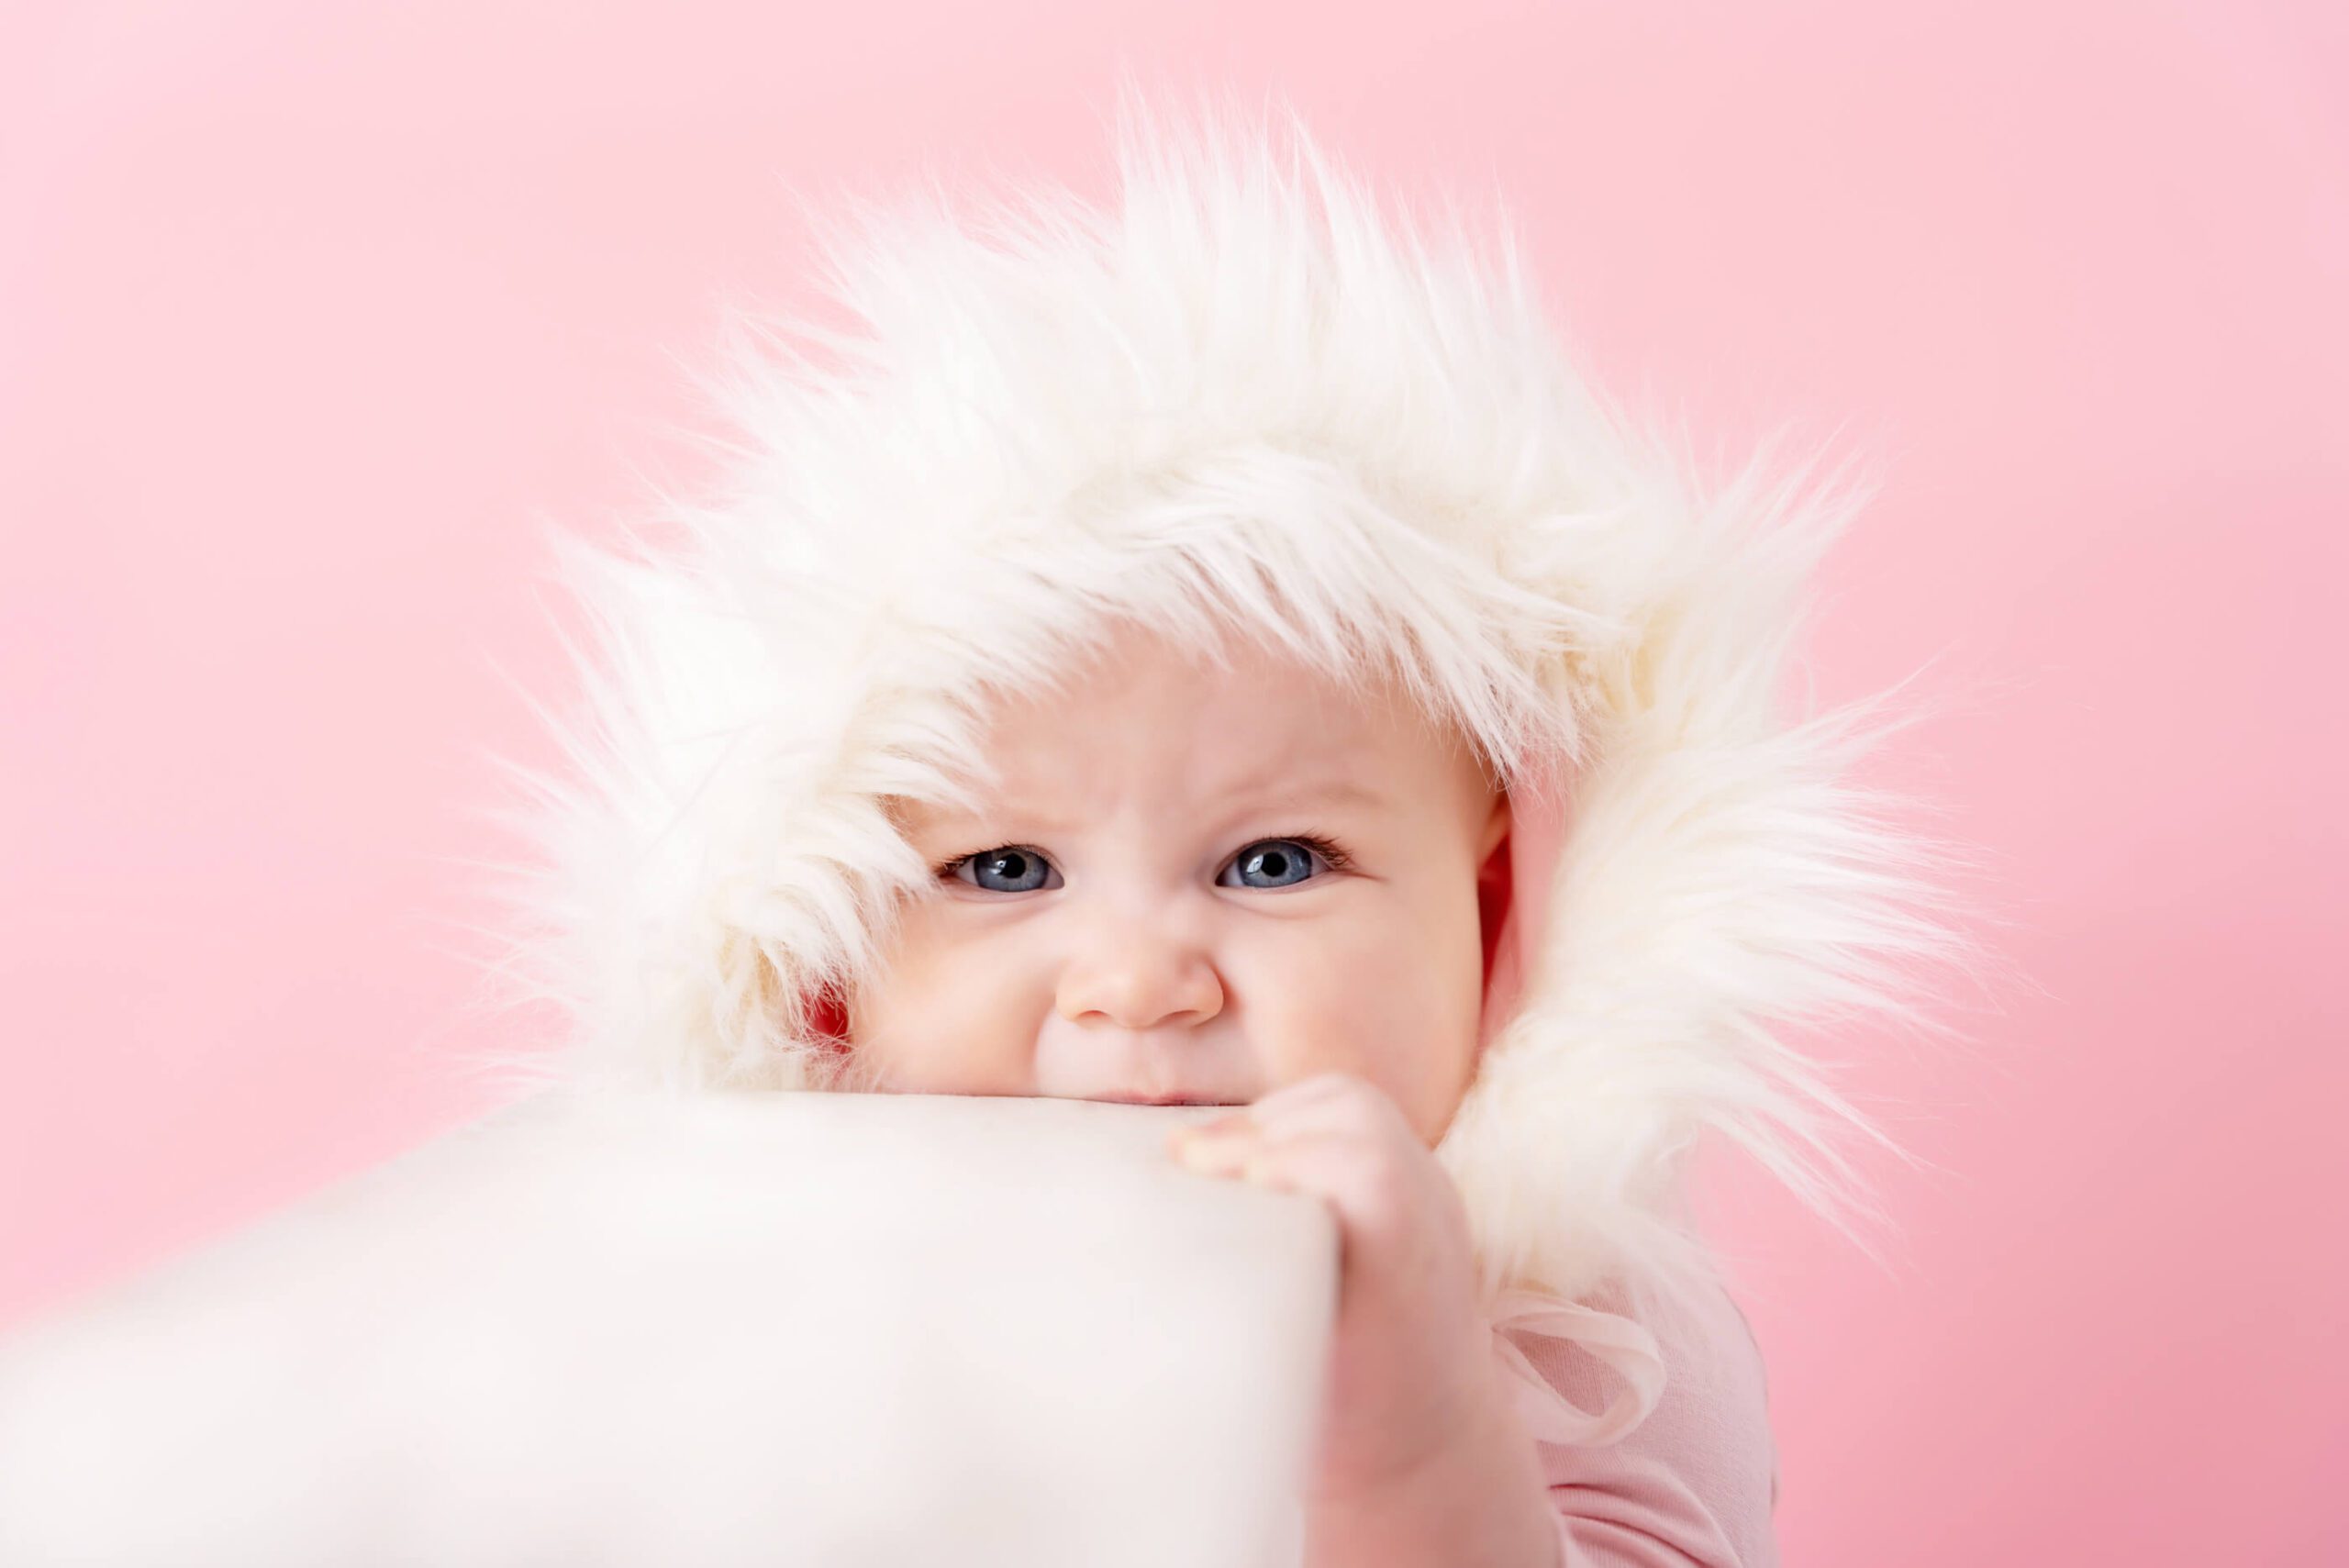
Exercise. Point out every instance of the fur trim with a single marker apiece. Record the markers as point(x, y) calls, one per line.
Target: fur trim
point(1238, 403)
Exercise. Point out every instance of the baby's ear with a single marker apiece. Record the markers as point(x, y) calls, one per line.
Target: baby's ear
point(827, 1011)
point(1494, 886)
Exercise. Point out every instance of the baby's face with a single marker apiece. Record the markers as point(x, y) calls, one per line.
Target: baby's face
point(1131, 915)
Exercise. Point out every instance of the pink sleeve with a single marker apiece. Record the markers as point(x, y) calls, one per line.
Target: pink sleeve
point(1696, 1481)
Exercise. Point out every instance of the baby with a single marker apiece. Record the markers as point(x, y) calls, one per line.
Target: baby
point(1217, 652)
point(1249, 889)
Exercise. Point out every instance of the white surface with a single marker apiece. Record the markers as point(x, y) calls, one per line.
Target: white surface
point(784, 1329)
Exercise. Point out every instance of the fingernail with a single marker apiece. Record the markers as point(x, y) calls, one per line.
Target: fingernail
point(1195, 1153)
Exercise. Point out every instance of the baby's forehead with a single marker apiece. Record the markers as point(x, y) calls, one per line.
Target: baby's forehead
point(1187, 735)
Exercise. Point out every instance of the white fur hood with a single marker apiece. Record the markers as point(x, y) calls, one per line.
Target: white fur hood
point(1238, 394)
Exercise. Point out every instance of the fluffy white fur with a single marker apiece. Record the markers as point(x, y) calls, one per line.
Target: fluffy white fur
point(1238, 400)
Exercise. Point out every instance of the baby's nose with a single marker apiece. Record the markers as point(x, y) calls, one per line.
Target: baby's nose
point(1139, 974)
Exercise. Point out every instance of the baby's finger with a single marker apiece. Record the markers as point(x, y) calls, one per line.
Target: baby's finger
point(1372, 1193)
point(1260, 1113)
point(1238, 1123)
point(1322, 1088)
point(1333, 1104)
point(1341, 1103)
point(1216, 1148)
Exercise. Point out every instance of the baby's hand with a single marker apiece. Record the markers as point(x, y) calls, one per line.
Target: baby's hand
point(1411, 1369)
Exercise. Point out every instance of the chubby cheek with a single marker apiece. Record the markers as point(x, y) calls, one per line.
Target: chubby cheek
point(1401, 1012)
point(930, 1026)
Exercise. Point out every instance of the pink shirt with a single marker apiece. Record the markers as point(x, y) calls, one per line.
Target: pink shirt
point(1695, 1480)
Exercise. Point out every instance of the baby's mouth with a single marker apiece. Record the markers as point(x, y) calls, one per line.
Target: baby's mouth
point(1136, 1099)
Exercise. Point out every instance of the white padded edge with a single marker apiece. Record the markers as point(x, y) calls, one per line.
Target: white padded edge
point(783, 1328)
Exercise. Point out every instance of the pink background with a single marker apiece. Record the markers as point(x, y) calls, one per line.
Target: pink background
point(309, 315)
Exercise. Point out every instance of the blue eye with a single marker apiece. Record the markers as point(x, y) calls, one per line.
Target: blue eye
point(1286, 862)
point(1007, 870)
point(1280, 862)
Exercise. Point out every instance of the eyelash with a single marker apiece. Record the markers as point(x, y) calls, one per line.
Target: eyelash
point(1330, 850)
